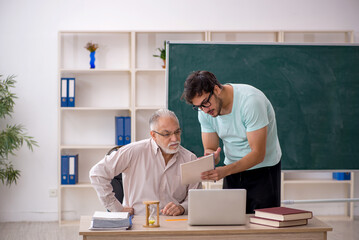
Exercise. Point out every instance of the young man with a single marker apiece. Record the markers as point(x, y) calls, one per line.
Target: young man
point(150, 169)
point(244, 119)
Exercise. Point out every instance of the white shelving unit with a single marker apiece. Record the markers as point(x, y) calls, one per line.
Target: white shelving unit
point(127, 81)
point(88, 128)
point(318, 187)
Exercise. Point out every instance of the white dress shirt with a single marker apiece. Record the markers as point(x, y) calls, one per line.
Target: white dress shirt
point(145, 177)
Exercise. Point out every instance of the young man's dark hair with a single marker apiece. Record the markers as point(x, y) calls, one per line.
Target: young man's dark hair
point(197, 83)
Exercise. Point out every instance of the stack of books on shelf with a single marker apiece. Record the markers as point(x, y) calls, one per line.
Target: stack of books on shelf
point(111, 221)
point(281, 217)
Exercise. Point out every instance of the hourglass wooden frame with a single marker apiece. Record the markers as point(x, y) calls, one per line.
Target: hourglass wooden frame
point(148, 203)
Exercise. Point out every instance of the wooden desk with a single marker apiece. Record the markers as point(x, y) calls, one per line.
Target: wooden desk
point(315, 229)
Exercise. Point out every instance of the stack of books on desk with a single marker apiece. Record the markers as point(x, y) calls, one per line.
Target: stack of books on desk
point(111, 221)
point(281, 217)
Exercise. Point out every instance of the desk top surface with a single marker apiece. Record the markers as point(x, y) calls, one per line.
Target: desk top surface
point(169, 225)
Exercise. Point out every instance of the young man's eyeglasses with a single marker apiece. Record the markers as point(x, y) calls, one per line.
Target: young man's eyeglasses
point(169, 134)
point(205, 104)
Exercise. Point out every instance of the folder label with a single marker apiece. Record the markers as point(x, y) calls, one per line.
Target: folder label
point(63, 92)
point(71, 92)
point(73, 169)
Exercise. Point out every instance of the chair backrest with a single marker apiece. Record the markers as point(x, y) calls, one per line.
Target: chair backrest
point(116, 182)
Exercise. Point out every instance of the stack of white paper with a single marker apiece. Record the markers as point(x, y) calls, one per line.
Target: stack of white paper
point(111, 221)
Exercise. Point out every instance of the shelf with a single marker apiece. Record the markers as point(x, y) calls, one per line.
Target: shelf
point(150, 70)
point(316, 181)
point(244, 36)
point(149, 108)
point(95, 71)
point(148, 42)
point(63, 147)
point(318, 36)
point(156, 96)
point(113, 53)
point(78, 185)
point(95, 109)
point(315, 185)
point(88, 127)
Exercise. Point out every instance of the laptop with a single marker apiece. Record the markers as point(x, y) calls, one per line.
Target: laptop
point(217, 206)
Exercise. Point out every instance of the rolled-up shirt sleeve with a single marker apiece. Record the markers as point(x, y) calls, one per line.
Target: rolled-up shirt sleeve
point(101, 175)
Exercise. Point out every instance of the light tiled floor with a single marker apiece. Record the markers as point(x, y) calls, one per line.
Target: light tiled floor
point(342, 230)
point(38, 231)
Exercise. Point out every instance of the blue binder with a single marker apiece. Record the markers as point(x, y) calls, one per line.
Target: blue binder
point(71, 92)
point(127, 130)
point(73, 169)
point(64, 169)
point(341, 176)
point(119, 125)
point(64, 92)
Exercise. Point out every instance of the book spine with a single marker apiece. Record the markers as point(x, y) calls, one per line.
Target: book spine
point(127, 130)
point(71, 92)
point(64, 99)
point(64, 169)
point(119, 125)
point(73, 169)
point(341, 176)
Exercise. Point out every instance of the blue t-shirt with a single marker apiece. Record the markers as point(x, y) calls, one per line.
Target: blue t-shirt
point(251, 111)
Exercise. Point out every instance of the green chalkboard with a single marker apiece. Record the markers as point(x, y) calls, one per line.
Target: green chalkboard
point(314, 90)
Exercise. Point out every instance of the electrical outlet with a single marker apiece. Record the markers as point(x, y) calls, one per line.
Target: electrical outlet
point(53, 192)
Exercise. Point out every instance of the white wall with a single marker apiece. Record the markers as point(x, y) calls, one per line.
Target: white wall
point(28, 48)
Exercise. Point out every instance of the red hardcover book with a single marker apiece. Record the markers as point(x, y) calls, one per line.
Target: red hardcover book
point(276, 223)
point(283, 213)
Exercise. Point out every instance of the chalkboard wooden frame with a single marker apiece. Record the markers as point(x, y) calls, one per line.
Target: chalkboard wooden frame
point(313, 88)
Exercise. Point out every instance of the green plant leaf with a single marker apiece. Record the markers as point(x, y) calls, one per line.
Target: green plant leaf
point(162, 51)
point(12, 137)
point(6, 96)
point(8, 175)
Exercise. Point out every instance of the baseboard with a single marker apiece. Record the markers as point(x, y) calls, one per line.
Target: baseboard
point(28, 216)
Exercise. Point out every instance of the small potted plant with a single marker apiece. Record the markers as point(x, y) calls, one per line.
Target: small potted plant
point(92, 47)
point(162, 54)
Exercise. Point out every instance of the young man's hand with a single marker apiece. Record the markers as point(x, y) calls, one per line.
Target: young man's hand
point(216, 174)
point(216, 154)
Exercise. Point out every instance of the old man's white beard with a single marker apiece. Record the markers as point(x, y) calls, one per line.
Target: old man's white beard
point(168, 150)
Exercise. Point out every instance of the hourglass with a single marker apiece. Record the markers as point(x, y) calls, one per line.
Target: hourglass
point(152, 211)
